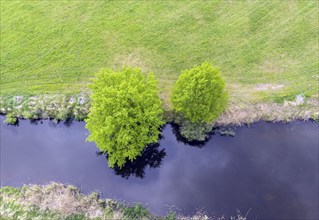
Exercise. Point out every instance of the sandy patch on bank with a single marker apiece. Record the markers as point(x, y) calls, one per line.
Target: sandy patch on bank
point(269, 86)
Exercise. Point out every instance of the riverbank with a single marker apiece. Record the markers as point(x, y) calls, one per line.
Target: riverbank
point(63, 107)
point(240, 113)
point(59, 107)
point(58, 201)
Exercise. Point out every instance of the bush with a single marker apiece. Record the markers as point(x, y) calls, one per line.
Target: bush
point(37, 113)
point(199, 94)
point(195, 131)
point(62, 115)
point(171, 216)
point(125, 114)
point(11, 119)
point(136, 212)
point(27, 114)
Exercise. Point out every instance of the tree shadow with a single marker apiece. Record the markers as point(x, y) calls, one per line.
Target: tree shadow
point(36, 121)
point(68, 122)
point(151, 156)
point(53, 123)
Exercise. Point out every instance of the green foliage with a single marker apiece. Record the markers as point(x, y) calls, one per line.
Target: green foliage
point(199, 94)
point(63, 114)
point(195, 131)
point(76, 217)
point(27, 115)
point(9, 190)
point(79, 116)
point(125, 114)
point(136, 212)
point(13, 210)
point(11, 119)
point(171, 216)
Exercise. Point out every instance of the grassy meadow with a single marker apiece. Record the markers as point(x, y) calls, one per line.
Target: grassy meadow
point(267, 51)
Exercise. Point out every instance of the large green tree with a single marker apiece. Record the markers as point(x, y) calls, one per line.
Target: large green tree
point(199, 94)
point(125, 115)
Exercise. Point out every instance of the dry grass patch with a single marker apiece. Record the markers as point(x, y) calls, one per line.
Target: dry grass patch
point(66, 200)
point(245, 113)
point(132, 59)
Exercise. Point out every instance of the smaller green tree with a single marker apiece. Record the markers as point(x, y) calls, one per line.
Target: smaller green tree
point(125, 114)
point(199, 94)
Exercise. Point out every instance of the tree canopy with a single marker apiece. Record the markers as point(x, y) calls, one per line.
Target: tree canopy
point(199, 93)
point(125, 115)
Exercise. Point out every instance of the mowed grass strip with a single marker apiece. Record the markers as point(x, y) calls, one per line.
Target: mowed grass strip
point(266, 50)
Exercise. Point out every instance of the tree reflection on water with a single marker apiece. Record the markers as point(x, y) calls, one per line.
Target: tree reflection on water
point(181, 139)
point(151, 156)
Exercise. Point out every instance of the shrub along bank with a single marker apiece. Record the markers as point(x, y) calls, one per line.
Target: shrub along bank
point(59, 107)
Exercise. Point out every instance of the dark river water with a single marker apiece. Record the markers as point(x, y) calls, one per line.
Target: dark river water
point(269, 169)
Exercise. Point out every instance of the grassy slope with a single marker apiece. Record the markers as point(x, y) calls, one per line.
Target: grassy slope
point(57, 46)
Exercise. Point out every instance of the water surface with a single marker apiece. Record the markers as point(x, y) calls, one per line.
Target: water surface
point(271, 169)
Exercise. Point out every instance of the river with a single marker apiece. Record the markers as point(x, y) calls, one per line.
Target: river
point(269, 169)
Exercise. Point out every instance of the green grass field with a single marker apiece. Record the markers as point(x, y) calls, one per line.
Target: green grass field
point(266, 50)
